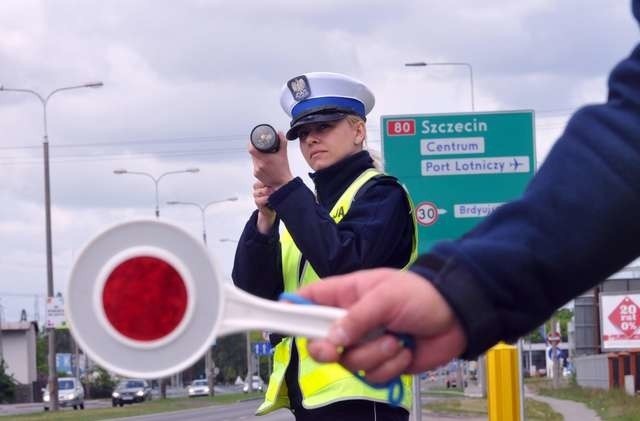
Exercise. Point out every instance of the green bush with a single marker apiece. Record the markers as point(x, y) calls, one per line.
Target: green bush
point(100, 384)
point(7, 385)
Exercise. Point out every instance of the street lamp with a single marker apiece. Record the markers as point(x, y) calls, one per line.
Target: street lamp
point(468, 65)
point(156, 180)
point(208, 358)
point(203, 209)
point(44, 100)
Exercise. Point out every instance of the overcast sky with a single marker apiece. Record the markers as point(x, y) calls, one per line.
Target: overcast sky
point(184, 83)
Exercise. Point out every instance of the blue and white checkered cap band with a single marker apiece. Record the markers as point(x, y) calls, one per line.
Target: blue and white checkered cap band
point(349, 105)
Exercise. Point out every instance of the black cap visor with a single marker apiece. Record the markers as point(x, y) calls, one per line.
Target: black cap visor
point(316, 117)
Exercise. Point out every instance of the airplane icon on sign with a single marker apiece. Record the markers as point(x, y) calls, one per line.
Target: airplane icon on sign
point(515, 164)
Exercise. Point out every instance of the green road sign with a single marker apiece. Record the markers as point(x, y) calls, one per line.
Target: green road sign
point(458, 168)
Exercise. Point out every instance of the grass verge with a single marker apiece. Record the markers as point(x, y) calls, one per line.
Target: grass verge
point(611, 405)
point(153, 407)
point(533, 410)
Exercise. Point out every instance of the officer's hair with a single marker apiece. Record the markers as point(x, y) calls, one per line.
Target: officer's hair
point(353, 120)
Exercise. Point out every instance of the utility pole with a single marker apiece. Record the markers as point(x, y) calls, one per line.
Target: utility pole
point(1, 351)
point(44, 100)
point(249, 374)
point(554, 340)
point(209, 363)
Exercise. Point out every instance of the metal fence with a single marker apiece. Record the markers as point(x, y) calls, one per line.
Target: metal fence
point(592, 371)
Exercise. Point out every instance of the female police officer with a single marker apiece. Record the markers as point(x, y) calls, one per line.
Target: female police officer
point(358, 218)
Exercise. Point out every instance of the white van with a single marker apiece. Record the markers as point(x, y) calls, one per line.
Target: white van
point(70, 393)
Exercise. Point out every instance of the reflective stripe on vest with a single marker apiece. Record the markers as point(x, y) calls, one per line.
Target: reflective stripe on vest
point(322, 384)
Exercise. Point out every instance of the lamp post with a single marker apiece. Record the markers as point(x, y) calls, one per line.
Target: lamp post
point(156, 180)
point(247, 334)
point(467, 65)
point(44, 100)
point(209, 365)
point(203, 209)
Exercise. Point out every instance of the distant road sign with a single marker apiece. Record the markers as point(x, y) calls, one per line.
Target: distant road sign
point(63, 363)
point(55, 313)
point(262, 348)
point(554, 338)
point(559, 353)
point(459, 168)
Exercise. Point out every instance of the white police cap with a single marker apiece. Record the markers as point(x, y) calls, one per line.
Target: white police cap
point(323, 96)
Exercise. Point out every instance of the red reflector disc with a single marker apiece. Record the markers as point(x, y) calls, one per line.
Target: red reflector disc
point(144, 298)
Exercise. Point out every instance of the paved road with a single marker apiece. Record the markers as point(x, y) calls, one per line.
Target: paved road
point(571, 411)
point(26, 408)
point(236, 411)
point(244, 411)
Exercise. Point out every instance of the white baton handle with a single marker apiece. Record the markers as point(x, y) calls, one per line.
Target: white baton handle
point(243, 311)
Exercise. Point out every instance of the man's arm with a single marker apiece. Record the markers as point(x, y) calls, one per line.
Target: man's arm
point(576, 224)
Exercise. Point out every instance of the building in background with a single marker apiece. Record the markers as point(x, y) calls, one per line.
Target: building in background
point(19, 350)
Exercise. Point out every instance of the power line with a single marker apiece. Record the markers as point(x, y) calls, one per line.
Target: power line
point(96, 157)
point(132, 142)
point(178, 153)
point(25, 294)
point(560, 112)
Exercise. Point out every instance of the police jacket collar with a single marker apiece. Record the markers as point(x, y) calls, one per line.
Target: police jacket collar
point(332, 181)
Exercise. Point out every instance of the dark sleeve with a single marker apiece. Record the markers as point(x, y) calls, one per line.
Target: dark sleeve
point(376, 231)
point(577, 223)
point(257, 267)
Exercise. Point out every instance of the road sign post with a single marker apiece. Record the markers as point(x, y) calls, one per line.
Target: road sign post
point(459, 168)
point(554, 340)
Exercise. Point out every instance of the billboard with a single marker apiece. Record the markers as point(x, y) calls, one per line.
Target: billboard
point(619, 321)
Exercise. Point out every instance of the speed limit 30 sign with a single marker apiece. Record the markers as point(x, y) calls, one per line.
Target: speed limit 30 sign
point(426, 213)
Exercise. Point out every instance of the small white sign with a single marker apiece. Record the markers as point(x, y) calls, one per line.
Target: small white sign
point(468, 166)
point(452, 146)
point(474, 210)
point(55, 313)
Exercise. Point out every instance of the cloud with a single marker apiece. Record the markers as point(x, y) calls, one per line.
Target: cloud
point(185, 82)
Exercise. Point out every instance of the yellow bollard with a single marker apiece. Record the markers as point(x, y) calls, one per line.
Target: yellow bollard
point(503, 394)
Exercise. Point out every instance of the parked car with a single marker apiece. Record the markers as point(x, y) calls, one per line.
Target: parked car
point(70, 393)
point(131, 391)
point(198, 387)
point(256, 385)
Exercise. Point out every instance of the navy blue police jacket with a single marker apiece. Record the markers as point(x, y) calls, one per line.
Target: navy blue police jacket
point(577, 223)
point(376, 231)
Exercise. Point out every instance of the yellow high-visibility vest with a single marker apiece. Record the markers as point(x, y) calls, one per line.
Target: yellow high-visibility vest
point(322, 384)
